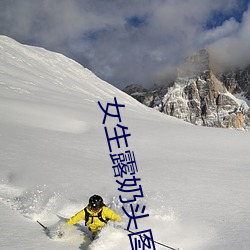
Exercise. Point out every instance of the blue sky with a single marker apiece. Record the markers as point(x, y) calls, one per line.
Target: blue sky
point(131, 41)
point(218, 17)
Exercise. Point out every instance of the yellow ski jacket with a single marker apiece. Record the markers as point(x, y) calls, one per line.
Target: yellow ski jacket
point(94, 223)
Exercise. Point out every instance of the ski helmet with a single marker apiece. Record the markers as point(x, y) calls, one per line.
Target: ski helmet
point(96, 202)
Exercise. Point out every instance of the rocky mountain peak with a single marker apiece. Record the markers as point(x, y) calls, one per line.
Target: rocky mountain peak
point(200, 96)
point(196, 64)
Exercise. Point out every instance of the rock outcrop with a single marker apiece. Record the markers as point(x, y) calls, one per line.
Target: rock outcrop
point(199, 96)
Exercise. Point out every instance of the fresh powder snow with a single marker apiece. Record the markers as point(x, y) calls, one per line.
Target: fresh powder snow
point(54, 156)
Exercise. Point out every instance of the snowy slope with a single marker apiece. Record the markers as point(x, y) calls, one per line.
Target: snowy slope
point(54, 155)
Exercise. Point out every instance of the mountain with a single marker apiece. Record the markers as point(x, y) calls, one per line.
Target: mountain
point(202, 96)
point(237, 81)
point(54, 156)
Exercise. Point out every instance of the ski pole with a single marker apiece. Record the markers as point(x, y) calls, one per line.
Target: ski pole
point(45, 228)
point(157, 242)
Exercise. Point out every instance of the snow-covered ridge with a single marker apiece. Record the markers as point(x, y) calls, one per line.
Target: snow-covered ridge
point(32, 68)
point(33, 74)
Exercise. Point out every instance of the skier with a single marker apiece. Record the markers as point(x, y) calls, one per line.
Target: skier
point(95, 214)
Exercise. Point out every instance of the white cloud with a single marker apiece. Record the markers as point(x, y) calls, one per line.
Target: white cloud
point(228, 28)
point(233, 50)
point(97, 32)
